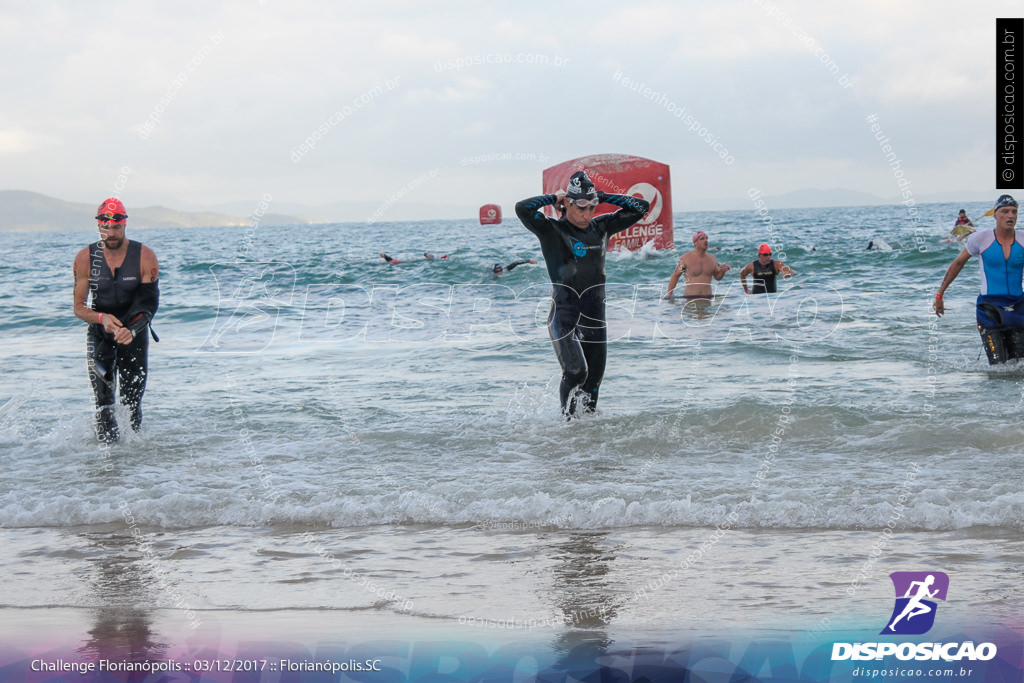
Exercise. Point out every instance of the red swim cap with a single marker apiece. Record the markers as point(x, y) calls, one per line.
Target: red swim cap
point(113, 206)
point(764, 249)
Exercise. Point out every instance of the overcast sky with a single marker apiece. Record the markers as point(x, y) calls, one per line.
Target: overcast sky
point(211, 102)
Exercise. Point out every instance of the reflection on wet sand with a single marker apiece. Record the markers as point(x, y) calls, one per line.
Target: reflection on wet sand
point(126, 587)
point(583, 592)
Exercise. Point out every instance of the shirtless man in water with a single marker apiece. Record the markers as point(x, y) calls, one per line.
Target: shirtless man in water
point(699, 267)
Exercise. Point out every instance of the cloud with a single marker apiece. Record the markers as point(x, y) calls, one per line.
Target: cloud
point(21, 141)
point(474, 79)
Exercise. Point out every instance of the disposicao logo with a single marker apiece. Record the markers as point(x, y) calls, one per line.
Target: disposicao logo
point(913, 615)
point(916, 592)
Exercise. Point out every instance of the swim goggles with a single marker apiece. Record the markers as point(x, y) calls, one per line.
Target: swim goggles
point(111, 217)
point(585, 203)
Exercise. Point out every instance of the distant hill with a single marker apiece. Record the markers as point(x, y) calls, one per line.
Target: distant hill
point(798, 199)
point(816, 197)
point(22, 211)
point(813, 197)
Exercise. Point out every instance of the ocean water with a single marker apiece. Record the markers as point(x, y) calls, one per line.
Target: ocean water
point(380, 445)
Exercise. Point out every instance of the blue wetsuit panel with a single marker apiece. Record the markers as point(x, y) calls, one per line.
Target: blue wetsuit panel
point(1003, 275)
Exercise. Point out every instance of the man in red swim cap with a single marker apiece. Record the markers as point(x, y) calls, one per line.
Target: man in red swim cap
point(764, 270)
point(116, 292)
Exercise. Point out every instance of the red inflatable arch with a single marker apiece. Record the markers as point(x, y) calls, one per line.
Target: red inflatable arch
point(630, 175)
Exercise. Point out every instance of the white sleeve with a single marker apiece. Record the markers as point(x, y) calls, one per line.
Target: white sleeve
point(980, 241)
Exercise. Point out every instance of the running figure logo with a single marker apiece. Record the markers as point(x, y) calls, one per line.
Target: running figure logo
point(915, 608)
point(252, 296)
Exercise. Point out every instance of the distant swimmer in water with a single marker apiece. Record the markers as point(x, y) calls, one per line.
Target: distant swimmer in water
point(699, 267)
point(764, 270)
point(963, 227)
point(499, 269)
point(1000, 305)
point(426, 255)
point(574, 248)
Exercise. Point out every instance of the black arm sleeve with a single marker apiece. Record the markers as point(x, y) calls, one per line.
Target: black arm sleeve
point(529, 213)
point(144, 306)
point(632, 209)
point(515, 263)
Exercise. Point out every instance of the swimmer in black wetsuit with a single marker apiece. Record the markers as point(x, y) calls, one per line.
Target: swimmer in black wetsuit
point(120, 277)
point(498, 269)
point(764, 270)
point(574, 249)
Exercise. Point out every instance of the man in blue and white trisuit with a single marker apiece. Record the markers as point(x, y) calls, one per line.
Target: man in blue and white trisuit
point(1001, 302)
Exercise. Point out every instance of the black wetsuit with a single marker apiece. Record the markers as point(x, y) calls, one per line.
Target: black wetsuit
point(112, 364)
point(515, 263)
point(575, 262)
point(764, 277)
